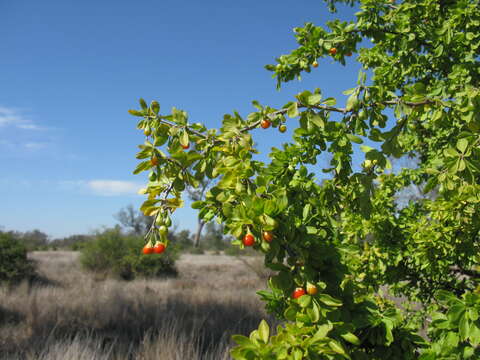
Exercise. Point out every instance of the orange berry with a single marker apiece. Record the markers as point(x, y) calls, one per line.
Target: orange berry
point(148, 249)
point(159, 248)
point(154, 161)
point(248, 240)
point(267, 236)
point(265, 123)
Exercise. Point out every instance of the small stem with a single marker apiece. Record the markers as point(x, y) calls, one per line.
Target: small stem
point(152, 227)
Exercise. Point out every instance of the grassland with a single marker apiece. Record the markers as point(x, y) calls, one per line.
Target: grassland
point(72, 314)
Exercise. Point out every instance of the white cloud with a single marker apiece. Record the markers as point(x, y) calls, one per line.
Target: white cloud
point(113, 187)
point(35, 145)
point(12, 117)
point(103, 187)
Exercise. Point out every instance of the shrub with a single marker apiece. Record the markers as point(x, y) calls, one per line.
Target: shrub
point(342, 244)
point(14, 264)
point(197, 250)
point(120, 256)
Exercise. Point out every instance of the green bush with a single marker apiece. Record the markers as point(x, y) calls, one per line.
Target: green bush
point(14, 264)
point(121, 256)
point(196, 250)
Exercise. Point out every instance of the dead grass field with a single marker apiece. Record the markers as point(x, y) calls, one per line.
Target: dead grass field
point(73, 314)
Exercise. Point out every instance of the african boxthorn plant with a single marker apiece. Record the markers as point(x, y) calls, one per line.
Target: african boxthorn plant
point(417, 96)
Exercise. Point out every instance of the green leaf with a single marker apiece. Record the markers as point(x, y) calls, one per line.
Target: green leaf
point(304, 300)
point(136, 113)
point(306, 211)
point(197, 204)
point(290, 313)
point(314, 313)
point(352, 102)
point(464, 327)
point(143, 104)
point(462, 145)
point(366, 148)
point(243, 341)
point(317, 120)
point(264, 331)
point(330, 101)
point(336, 346)
point(351, 338)
point(184, 139)
point(354, 139)
point(329, 300)
point(322, 332)
point(292, 110)
point(144, 165)
point(314, 99)
point(155, 106)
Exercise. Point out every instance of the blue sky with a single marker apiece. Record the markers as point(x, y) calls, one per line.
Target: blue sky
point(70, 70)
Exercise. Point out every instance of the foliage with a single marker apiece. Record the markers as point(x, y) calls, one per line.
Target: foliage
point(133, 220)
point(417, 95)
point(120, 255)
point(73, 242)
point(14, 264)
point(214, 238)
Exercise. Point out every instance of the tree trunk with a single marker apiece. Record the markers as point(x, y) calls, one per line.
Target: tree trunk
point(196, 241)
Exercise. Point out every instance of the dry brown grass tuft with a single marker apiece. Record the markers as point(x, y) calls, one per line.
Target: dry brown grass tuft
point(77, 316)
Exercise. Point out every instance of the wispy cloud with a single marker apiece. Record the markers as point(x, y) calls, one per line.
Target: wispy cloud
point(35, 145)
point(104, 187)
point(113, 187)
point(13, 117)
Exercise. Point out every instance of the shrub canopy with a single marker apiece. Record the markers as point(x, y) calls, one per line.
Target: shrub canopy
point(417, 96)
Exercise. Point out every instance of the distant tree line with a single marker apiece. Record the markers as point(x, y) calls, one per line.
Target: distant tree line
point(131, 222)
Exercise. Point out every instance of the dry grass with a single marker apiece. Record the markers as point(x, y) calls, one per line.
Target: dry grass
point(77, 315)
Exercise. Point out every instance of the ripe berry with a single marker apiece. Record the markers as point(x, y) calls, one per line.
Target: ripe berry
point(311, 289)
point(185, 147)
point(159, 248)
point(148, 249)
point(348, 54)
point(282, 128)
point(298, 292)
point(154, 161)
point(267, 236)
point(315, 64)
point(332, 51)
point(248, 240)
point(265, 124)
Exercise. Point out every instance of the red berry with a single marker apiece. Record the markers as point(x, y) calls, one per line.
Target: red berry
point(332, 51)
point(248, 240)
point(265, 124)
point(267, 236)
point(315, 64)
point(159, 248)
point(298, 292)
point(148, 249)
point(185, 147)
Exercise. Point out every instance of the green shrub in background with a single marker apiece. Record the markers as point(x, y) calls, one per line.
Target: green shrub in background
point(120, 255)
point(14, 264)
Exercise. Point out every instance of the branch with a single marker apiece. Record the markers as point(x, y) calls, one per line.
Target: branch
point(152, 226)
point(471, 273)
